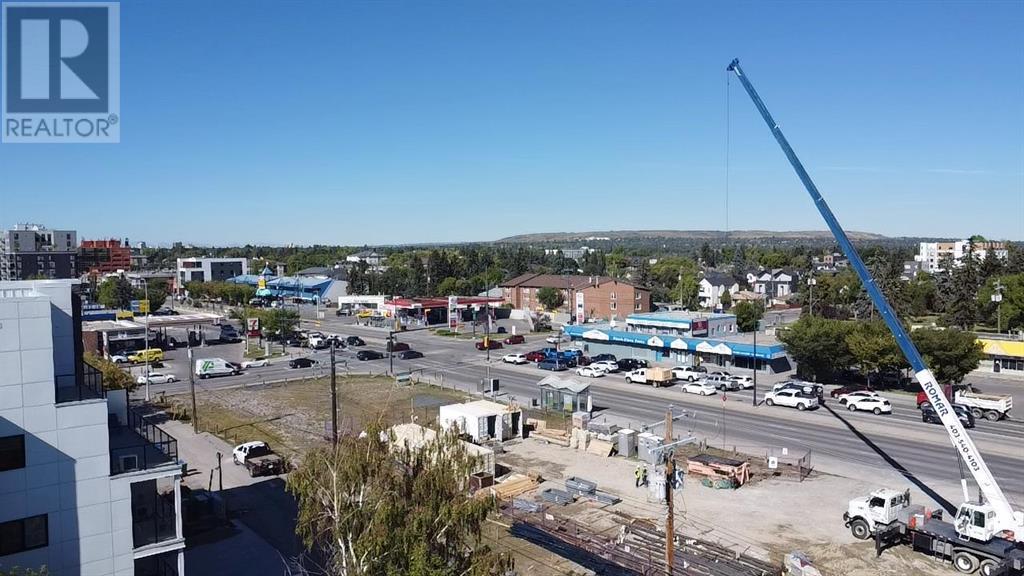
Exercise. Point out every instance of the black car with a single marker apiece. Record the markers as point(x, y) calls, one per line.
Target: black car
point(602, 357)
point(302, 363)
point(929, 415)
point(409, 354)
point(627, 364)
point(369, 355)
point(355, 341)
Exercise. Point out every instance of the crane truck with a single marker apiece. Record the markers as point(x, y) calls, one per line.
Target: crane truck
point(985, 536)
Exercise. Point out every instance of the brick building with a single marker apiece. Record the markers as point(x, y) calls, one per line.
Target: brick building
point(586, 296)
point(104, 256)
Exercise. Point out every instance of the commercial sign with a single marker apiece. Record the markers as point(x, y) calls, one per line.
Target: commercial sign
point(140, 306)
point(61, 72)
point(252, 324)
point(453, 311)
point(699, 327)
point(581, 315)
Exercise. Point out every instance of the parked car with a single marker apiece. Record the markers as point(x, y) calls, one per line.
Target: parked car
point(409, 354)
point(724, 383)
point(536, 356)
point(842, 390)
point(258, 363)
point(555, 339)
point(157, 378)
point(151, 355)
point(302, 363)
point(630, 364)
point(929, 415)
point(745, 382)
point(689, 373)
point(369, 355)
point(590, 372)
point(854, 396)
point(792, 398)
point(119, 358)
point(514, 359)
point(355, 341)
point(515, 339)
point(603, 357)
point(720, 373)
point(553, 365)
point(393, 346)
point(492, 344)
point(608, 366)
point(258, 458)
point(875, 404)
point(700, 387)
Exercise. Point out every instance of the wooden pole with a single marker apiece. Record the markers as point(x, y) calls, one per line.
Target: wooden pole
point(670, 519)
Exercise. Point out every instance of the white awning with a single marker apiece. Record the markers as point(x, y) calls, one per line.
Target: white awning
point(705, 347)
point(679, 344)
point(595, 335)
point(655, 342)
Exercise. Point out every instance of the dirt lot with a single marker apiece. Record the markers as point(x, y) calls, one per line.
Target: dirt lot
point(296, 416)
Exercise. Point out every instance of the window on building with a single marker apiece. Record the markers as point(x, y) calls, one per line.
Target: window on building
point(612, 306)
point(637, 307)
point(25, 534)
point(12, 452)
point(612, 295)
point(637, 296)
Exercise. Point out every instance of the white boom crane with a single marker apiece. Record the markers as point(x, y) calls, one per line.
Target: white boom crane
point(997, 517)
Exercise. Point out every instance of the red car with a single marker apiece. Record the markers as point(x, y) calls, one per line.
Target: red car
point(836, 392)
point(397, 346)
point(515, 339)
point(535, 356)
point(492, 344)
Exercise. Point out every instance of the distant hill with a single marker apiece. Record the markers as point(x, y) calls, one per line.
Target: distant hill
point(551, 237)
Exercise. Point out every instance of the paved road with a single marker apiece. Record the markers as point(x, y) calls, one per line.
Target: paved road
point(854, 444)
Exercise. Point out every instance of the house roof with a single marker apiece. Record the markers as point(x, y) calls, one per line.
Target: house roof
point(719, 278)
point(576, 281)
point(564, 383)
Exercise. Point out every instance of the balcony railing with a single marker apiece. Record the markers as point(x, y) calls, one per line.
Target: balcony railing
point(89, 388)
point(140, 445)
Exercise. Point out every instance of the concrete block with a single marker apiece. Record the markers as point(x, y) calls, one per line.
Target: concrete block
point(123, 541)
point(36, 309)
point(86, 521)
point(102, 567)
point(10, 368)
point(40, 418)
point(13, 481)
point(121, 520)
point(84, 441)
point(42, 474)
point(41, 447)
point(84, 493)
point(94, 549)
point(77, 415)
point(35, 333)
point(42, 499)
point(10, 335)
point(10, 397)
point(12, 506)
point(38, 393)
point(8, 310)
point(11, 422)
point(124, 563)
point(37, 365)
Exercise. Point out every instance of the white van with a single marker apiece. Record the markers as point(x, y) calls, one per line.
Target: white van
point(207, 367)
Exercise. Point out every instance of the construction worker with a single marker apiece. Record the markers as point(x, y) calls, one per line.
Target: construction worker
point(643, 479)
point(637, 474)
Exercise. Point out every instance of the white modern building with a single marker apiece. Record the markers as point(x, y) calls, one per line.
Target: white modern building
point(87, 485)
point(369, 257)
point(932, 254)
point(210, 269)
point(712, 286)
point(571, 253)
point(776, 284)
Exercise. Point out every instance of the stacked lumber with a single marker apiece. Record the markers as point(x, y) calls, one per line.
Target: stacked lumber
point(552, 436)
point(600, 447)
point(514, 486)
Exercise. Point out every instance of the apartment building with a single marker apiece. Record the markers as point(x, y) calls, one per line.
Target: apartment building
point(33, 251)
point(712, 286)
point(585, 297)
point(87, 485)
point(104, 256)
point(931, 255)
point(210, 269)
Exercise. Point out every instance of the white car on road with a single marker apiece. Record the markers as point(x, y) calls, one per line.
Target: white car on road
point(700, 387)
point(875, 404)
point(119, 358)
point(157, 378)
point(590, 372)
point(689, 373)
point(745, 382)
point(857, 396)
point(555, 339)
point(515, 359)
point(256, 363)
point(791, 398)
point(608, 366)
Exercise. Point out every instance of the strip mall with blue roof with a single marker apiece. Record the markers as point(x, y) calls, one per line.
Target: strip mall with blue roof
point(683, 338)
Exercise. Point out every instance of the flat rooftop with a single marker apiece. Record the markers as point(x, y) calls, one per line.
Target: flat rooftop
point(480, 408)
point(678, 316)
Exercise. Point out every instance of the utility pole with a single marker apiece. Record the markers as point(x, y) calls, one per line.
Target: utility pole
point(334, 399)
point(145, 285)
point(670, 525)
point(391, 351)
point(756, 326)
point(997, 297)
point(192, 388)
point(811, 283)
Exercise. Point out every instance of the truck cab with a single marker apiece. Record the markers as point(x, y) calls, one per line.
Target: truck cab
point(976, 521)
point(881, 507)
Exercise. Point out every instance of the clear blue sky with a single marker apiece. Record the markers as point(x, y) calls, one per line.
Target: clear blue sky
point(393, 122)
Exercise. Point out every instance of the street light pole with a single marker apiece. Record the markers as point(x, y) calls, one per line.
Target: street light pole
point(997, 297)
point(145, 286)
point(811, 283)
point(755, 362)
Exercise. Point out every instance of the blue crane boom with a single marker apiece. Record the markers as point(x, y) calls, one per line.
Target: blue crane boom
point(1006, 518)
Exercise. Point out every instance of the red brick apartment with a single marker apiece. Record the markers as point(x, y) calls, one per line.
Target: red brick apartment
point(600, 297)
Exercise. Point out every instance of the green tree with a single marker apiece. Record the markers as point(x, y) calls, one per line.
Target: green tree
point(1009, 313)
point(448, 286)
point(114, 378)
point(116, 293)
point(748, 314)
point(873, 348)
point(726, 300)
point(276, 320)
point(961, 303)
point(921, 294)
point(818, 345)
point(951, 354)
point(550, 298)
point(373, 508)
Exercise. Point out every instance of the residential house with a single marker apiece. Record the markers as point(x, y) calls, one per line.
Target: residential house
point(87, 484)
point(831, 262)
point(776, 284)
point(368, 257)
point(712, 286)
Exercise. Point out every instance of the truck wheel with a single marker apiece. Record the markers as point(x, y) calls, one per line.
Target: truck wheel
point(977, 413)
point(965, 562)
point(770, 402)
point(860, 530)
point(992, 416)
point(801, 406)
point(988, 567)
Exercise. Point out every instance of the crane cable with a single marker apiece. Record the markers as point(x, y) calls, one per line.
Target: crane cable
point(728, 130)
